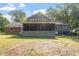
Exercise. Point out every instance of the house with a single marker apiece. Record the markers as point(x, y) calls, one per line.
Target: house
point(62, 28)
point(38, 25)
point(14, 28)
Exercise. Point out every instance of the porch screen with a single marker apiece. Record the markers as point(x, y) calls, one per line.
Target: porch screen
point(39, 27)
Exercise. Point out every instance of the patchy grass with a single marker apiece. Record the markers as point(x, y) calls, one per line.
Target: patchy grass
point(34, 46)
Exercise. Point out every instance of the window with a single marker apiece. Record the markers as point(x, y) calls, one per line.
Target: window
point(11, 29)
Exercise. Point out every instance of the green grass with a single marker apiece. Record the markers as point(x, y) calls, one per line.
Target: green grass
point(6, 40)
point(10, 41)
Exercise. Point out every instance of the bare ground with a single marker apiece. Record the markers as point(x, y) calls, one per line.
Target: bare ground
point(42, 49)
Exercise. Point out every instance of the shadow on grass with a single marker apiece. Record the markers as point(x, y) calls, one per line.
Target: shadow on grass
point(29, 37)
point(6, 34)
point(74, 38)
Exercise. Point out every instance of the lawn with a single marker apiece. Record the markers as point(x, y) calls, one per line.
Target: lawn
point(13, 45)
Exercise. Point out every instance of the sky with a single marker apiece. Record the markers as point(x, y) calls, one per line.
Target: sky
point(28, 8)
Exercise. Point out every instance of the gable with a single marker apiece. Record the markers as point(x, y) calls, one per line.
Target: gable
point(39, 17)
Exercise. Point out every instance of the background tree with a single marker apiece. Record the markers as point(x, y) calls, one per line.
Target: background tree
point(17, 16)
point(72, 14)
point(52, 13)
point(66, 13)
point(3, 22)
point(57, 13)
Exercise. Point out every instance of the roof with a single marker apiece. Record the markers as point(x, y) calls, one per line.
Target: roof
point(39, 17)
point(38, 23)
point(15, 24)
point(61, 23)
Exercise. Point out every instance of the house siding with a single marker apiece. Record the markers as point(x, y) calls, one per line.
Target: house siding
point(13, 30)
point(38, 33)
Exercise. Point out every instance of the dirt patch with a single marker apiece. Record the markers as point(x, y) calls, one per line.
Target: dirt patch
point(41, 48)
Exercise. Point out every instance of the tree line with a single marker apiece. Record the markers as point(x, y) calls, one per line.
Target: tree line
point(66, 13)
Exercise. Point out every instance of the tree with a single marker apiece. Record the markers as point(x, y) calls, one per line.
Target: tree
point(18, 16)
point(52, 13)
point(56, 14)
point(3, 22)
point(66, 13)
point(74, 14)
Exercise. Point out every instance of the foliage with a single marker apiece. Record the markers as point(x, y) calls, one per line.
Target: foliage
point(17, 16)
point(3, 22)
point(66, 13)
